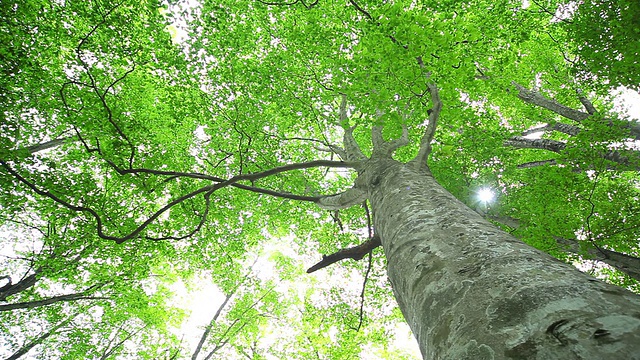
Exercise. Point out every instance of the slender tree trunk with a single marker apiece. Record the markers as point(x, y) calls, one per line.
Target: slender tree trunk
point(471, 291)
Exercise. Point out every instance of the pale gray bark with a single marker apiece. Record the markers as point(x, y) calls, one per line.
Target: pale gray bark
point(343, 200)
point(536, 98)
point(420, 161)
point(533, 164)
point(556, 126)
point(471, 291)
point(386, 148)
point(32, 149)
point(50, 144)
point(351, 149)
point(628, 162)
point(544, 144)
point(630, 265)
point(623, 262)
point(586, 103)
point(505, 220)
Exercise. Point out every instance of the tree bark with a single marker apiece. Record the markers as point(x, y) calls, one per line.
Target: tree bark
point(630, 265)
point(49, 301)
point(11, 289)
point(471, 291)
point(556, 146)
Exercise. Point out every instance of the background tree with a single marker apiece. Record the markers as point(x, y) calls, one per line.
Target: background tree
point(161, 157)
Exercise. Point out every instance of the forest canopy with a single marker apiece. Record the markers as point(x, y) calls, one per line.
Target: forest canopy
point(151, 149)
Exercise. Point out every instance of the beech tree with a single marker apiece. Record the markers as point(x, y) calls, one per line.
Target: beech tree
point(148, 143)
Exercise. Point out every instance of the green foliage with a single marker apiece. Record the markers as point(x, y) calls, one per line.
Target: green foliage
point(150, 106)
point(607, 35)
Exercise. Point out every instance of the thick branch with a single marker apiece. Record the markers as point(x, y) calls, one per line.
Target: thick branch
point(386, 148)
point(395, 144)
point(355, 253)
point(545, 144)
point(343, 117)
point(24, 283)
point(343, 200)
point(50, 144)
point(425, 143)
point(351, 147)
point(333, 149)
point(586, 103)
point(376, 137)
point(566, 128)
point(625, 263)
point(556, 126)
point(535, 98)
point(49, 301)
point(627, 162)
point(534, 130)
point(505, 220)
point(352, 151)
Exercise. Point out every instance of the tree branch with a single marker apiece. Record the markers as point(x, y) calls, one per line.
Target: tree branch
point(219, 311)
point(26, 282)
point(351, 148)
point(355, 253)
point(555, 126)
point(361, 10)
point(623, 262)
point(526, 143)
point(376, 137)
point(43, 336)
point(425, 143)
point(206, 190)
point(533, 164)
point(343, 200)
point(535, 98)
point(586, 103)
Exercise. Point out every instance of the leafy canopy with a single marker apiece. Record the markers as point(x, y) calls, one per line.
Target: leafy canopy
point(130, 132)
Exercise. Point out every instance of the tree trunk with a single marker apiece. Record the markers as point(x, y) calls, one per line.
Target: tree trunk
point(471, 291)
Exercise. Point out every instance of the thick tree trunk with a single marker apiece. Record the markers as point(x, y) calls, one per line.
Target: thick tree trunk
point(471, 291)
